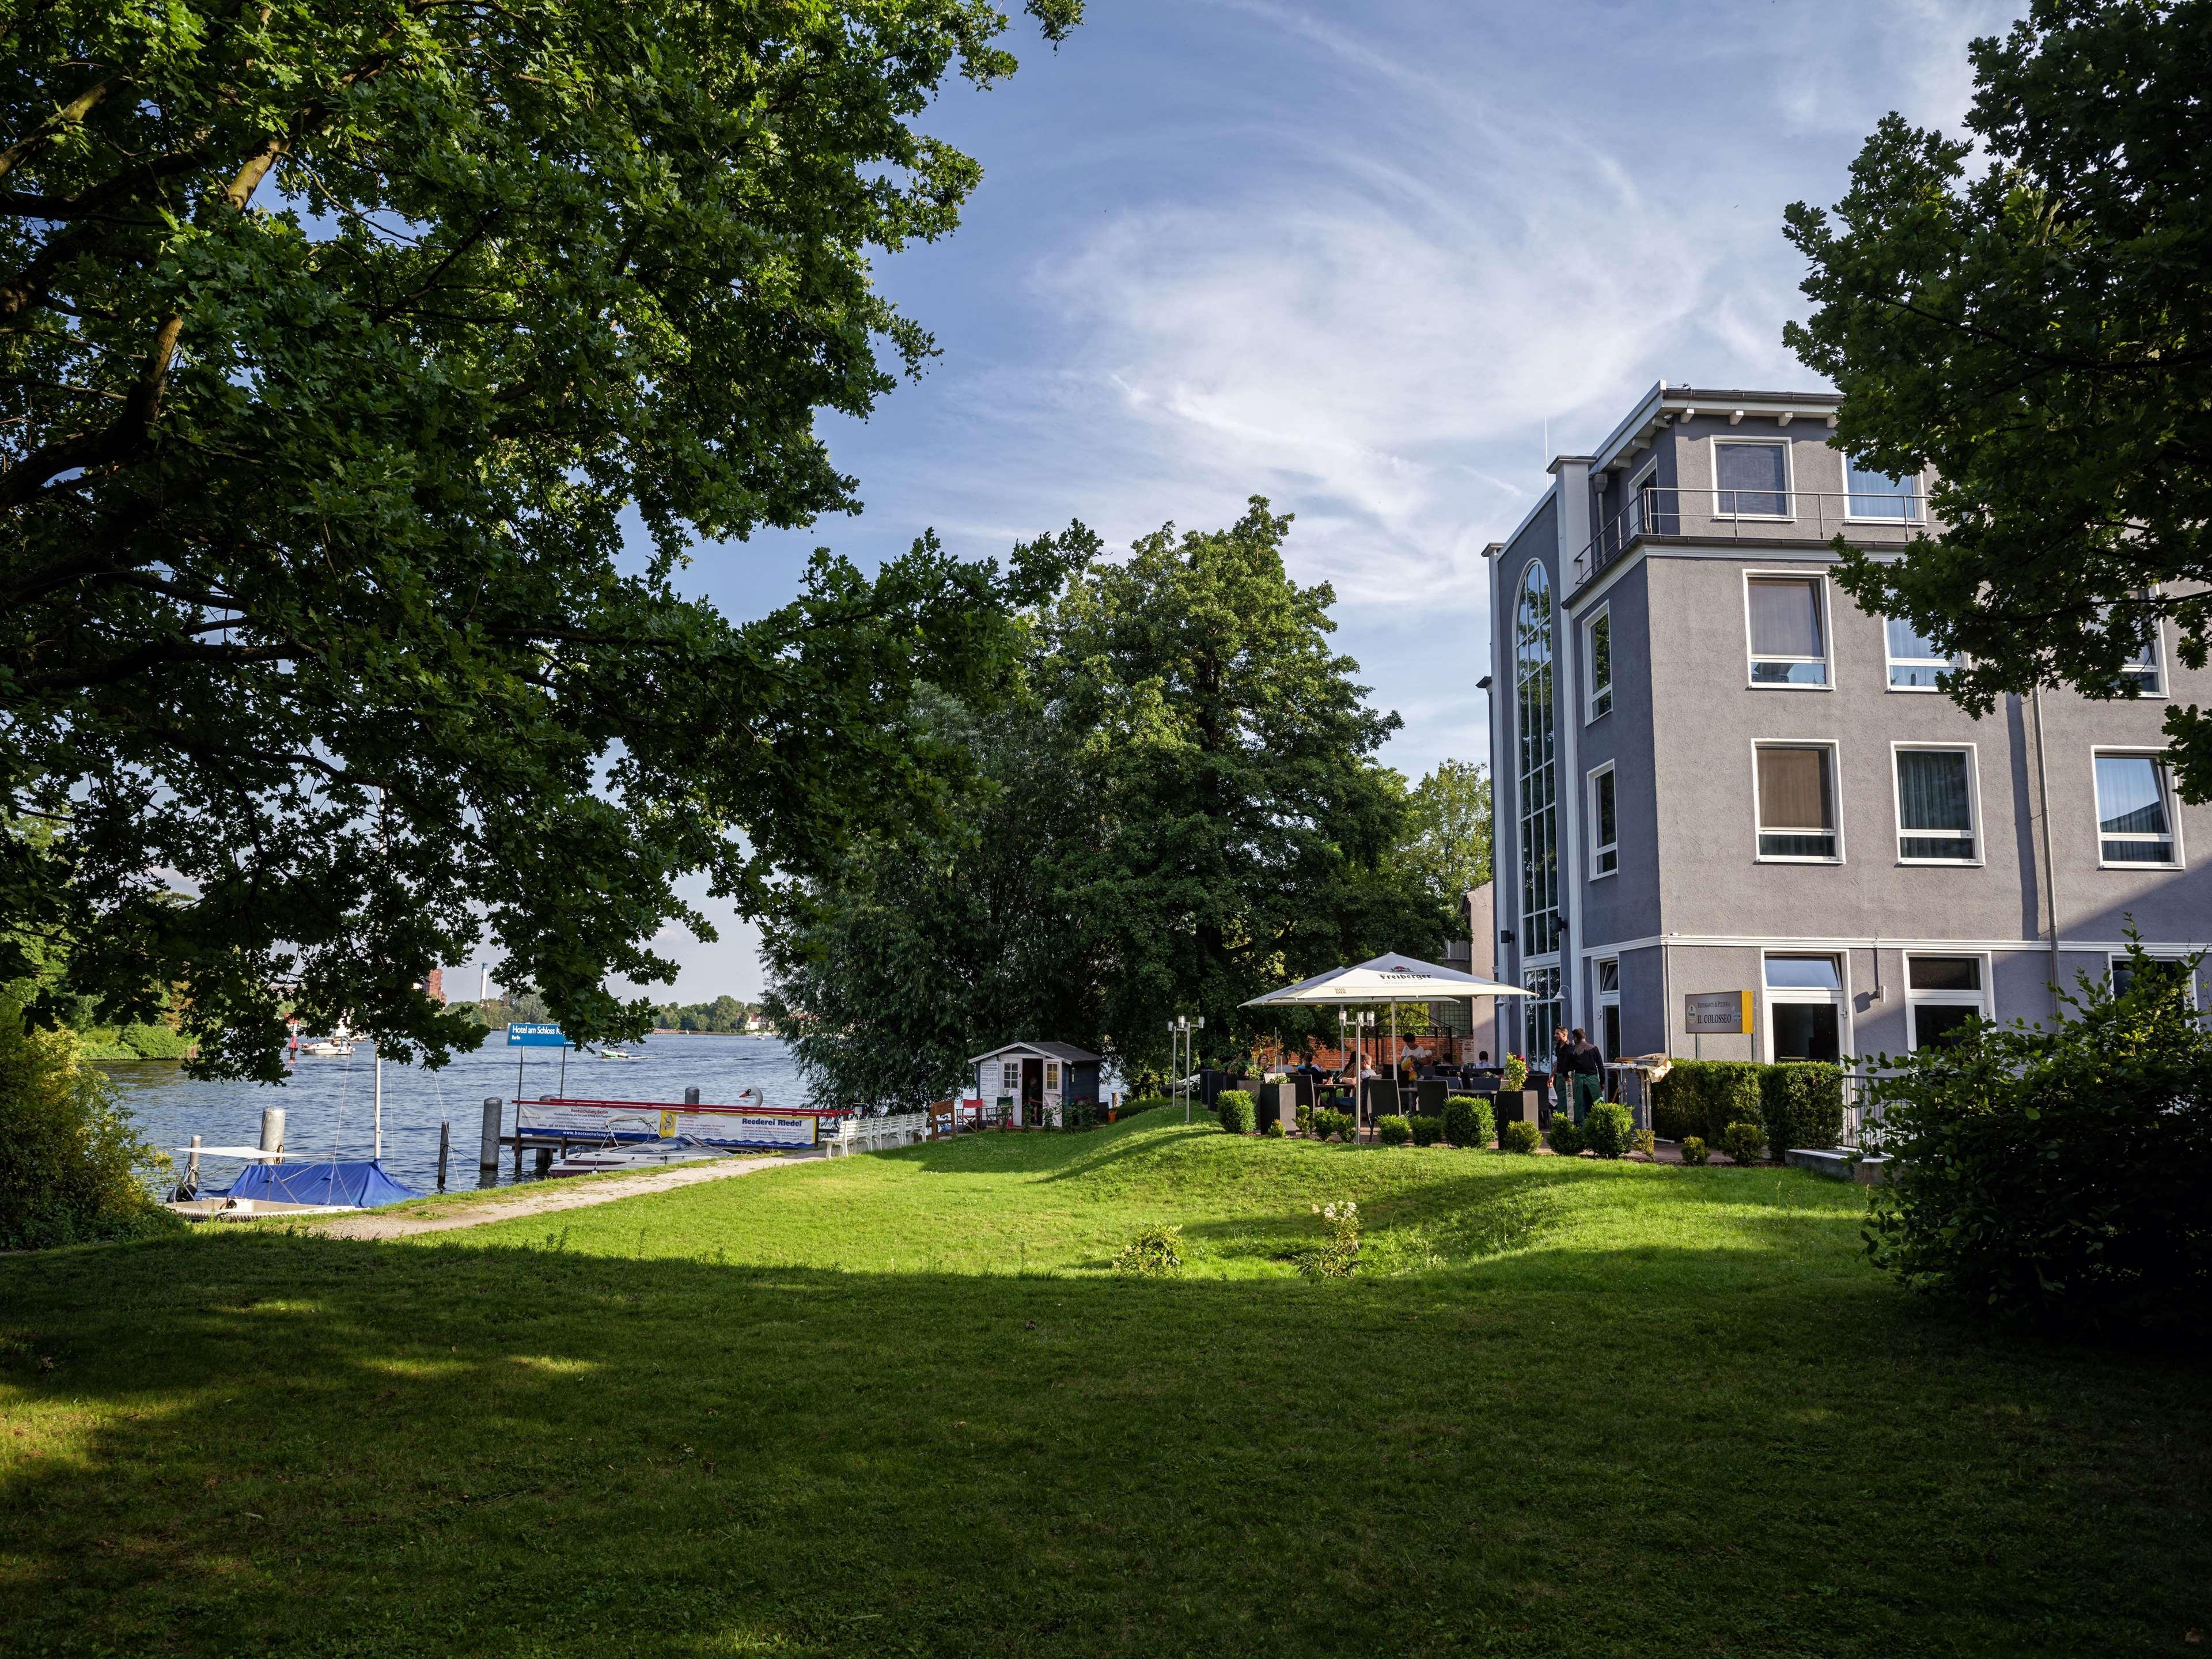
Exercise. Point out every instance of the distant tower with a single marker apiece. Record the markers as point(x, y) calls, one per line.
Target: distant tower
point(435, 985)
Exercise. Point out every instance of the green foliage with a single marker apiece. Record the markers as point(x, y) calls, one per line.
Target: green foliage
point(1305, 1117)
point(1519, 1135)
point(1428, 1131)
point(1609, 1130)
point(1702, 1097)
point(70, 1163)
point(724, 1014)
point(1514, 1074)
point(1272, 1128)
point(1328, 1122)
point(1564, 1135)
point(1146, 1104)
point(1446, 844)
point(1391, 1129)
point(1338, 1252)
point(1744, 1143)
point(1238, 1112)
point(1468, 1121)
point(2066, 278)
point(1802, 1105)
point(1644, 1141)
point(2057, 1172)
point(1154, 1252)
point(1694, 1151)
point(372, 373)
point(1080, 1114)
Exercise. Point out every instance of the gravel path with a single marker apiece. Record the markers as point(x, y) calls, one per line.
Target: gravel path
point(544, 1198)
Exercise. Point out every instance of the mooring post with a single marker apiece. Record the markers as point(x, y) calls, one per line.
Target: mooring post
point(487, 1153)
point(192, 1169)
point(444, 1141)
point(691, 1097)
point(272, 1130)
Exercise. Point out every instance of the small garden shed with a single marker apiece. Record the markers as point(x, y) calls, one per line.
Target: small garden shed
point(1033, 1079)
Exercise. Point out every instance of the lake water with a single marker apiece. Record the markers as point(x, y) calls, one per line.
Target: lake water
point(329, 1103)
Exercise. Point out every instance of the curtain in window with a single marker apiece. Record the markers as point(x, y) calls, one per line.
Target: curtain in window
point(1793, 789)
point(1906, 645)
point(1752, 477)
point(1931, 790)
point(1876, 494)
point(2129, 799)
point(1785, 619)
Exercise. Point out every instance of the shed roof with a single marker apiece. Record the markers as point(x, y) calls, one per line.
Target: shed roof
point(1048, 1050)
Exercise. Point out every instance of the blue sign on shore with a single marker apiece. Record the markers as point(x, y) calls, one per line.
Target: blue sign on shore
point(519, 1035)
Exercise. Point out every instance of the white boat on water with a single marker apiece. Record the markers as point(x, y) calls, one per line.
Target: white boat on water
point(326, 1048)
point(612, 1053)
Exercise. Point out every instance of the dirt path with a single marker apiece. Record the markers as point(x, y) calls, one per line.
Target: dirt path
point(544, 1198)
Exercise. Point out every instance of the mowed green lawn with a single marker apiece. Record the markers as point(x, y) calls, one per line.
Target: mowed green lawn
point(898, 1405)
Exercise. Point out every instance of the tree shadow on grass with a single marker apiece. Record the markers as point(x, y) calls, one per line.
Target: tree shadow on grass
point(306, 1445)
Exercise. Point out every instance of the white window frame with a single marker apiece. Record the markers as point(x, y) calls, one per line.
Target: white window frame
point(1827, 659)
point(1846, 1039)
point(2157, 757)
point(2150, 677)
point(1916, 503)
point(1890, 662)
point(1591, 711)
point(1010, 1078)
point(1602, 998)
point(1597, 872)
point(1633, 501)
point(1976, 833)
point(1789, 514)
point(1983, 1002)
point(1052, 1076)
point(2196, 993)
point(1835, 799)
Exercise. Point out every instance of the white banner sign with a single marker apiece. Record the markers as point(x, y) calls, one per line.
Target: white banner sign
point(625, 1120)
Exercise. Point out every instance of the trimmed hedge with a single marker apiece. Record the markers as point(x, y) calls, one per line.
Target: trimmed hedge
point(1517, 1136)
point(1797, 1102)
point(1468, 1121)
point(1239, 1112)
point(1609, 1129)
point(1427, 1131)
point(1393, 1130)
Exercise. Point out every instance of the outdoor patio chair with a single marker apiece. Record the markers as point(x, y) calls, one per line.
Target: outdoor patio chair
point(1432, 1093)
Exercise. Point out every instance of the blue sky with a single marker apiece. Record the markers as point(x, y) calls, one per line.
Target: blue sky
point(1356, 258)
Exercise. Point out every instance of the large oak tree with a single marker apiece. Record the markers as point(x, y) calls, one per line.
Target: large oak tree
point(369, 369)
point(2041, 333)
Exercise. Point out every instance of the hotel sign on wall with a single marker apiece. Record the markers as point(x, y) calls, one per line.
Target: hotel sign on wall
point(1716, 1013)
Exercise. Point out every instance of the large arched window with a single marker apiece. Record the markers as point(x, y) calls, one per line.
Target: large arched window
point(1538, 796)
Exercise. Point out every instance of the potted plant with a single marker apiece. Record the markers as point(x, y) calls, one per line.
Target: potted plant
point(1516, 1102)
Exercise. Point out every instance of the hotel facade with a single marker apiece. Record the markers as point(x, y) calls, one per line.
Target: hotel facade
point(1714, 772)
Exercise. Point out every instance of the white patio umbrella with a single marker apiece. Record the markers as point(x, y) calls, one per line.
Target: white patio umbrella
point(1392, 979)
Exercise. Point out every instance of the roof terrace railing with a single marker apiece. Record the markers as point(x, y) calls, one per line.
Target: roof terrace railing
point(1766, 516)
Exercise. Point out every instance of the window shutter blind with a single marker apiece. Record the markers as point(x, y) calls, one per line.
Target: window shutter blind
point(1785, 619)
point(1793, 789)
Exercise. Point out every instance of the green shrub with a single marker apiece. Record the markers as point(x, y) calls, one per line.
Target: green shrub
point(1428, 1131)
point(1519, 1135)
point(1743, 1142)
point(1693, 1149)
point(1802, 1105)
point(1609, 1129)
point(1644, 1141)
point(156, 1041)
point(1702, 1097)
point(1468, 1121)
point(1392, 1130)
point(1238, 1111)
point(1274, 1131)
point(1514, 1074)
point(1340, 1124)
point(1154, 1253)
point(1147, 1103)
point(1338, 1252)
point(71, 1164)
point(1565, 1138)
point(1306, 1120)
point(2058, 1171)
point(1081, 1114)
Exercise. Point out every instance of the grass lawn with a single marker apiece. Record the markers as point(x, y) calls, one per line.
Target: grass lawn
point(898, 1405)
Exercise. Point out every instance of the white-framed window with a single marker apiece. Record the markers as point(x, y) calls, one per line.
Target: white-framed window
point(1751, 478)
point(1637, 506)
point(1785, 619)
point(1052, 1074)
point(1010, 1076)
point(1607, 970)
point(1938, 803)
point(1793, 793)
point(1943, 997)
point(2123, 973)
point(1916, 663)
point(1597, 653)
point(1541, 1012)
point(1871, 494)
point(1805, 1014)
point(2135, 820)
point(1537, 773)
point(1604, 824)
point(2145, 673)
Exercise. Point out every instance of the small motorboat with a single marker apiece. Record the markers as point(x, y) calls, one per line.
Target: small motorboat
point(634, 1155)
point(326, 1048)
point(612, 1053)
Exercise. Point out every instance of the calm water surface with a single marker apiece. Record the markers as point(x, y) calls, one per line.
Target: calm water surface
point(329, 1103)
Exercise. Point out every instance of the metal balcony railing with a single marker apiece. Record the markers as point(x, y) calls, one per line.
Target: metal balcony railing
point(1765, 516)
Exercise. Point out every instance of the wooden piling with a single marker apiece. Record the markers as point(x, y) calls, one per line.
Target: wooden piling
point(445, 1143)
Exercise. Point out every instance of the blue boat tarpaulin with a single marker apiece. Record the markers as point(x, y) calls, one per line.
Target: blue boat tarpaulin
point(359, 1182)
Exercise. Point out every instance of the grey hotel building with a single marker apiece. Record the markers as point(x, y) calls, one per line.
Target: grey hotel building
point(1715, 774)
